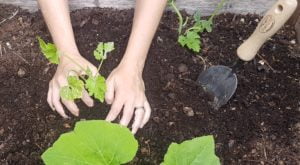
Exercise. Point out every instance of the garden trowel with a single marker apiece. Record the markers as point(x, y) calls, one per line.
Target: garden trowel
point(221, 81)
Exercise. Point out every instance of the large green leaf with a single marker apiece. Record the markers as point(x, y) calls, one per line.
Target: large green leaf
point(198, 151)
point(93, 142)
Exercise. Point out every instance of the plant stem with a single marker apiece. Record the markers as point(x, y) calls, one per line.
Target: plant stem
point(185, 22)
point(193, 28)
point(99, 67)
point(220, 5)
point(180, 19)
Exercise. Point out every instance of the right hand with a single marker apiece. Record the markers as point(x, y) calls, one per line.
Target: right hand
point(64, 69)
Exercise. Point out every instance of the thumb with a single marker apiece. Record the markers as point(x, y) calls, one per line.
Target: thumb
point(93, 69)
point(110, 92)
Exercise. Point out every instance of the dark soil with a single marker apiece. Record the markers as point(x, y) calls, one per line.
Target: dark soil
point(259, 125)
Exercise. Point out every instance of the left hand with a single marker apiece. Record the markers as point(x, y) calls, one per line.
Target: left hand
point(126, 91)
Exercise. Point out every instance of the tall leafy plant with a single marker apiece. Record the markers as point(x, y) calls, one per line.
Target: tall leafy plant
point(191, 37)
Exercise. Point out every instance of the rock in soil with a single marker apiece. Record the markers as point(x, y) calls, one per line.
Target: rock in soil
point(21, 72)
point(182, 68)
point(188, 111)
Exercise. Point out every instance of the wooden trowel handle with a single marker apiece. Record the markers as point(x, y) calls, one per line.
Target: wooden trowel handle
point(273, 20)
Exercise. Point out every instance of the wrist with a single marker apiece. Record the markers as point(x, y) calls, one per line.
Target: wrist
point(67, 56)
point(131, 65)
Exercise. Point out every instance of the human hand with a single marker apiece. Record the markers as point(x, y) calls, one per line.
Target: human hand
point(126, 91)
point(74, 65)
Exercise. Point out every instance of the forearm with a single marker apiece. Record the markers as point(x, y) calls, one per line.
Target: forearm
point(57, 17)
point(146, 19)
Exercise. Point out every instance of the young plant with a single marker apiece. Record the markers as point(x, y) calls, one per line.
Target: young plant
point(198, 151)
point(93, 142)
point(95, 84)
point(191, 38)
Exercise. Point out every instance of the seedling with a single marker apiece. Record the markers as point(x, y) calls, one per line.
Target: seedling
point(191, 38)
point(95, 84)
point(98, 142)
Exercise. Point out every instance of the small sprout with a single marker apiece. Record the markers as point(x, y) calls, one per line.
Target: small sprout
point(191, 38)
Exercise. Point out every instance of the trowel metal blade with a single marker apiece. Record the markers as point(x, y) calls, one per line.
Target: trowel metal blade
point(219, 81)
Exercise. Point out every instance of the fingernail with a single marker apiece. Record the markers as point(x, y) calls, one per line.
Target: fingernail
point(122, 123)
point(142, 126)
point(108, 118)
point(66, 117)
point(108, 101)
point(90, 103)
point(133, 131)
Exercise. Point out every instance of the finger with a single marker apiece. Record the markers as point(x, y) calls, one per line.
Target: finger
point(147, 113)
point(110, 91)
point(71, 106)
point(127, 113)
point(138, 119)
point(115, 109)
point(86, 98)
point(49, 96)
point(56, 102)
point(94, 70)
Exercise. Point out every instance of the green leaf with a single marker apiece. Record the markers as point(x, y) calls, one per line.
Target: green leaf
point(198, 151)
point(100, 53)
point(191, 40)
point(96, 87)
point(49, 50)
point(108, 47)
point(89, 72)
point(73, 90)
point(197, 16)
point(207, 25)
point(93, 142)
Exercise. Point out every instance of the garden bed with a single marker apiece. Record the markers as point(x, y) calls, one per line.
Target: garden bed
point(259, 125)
